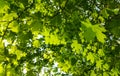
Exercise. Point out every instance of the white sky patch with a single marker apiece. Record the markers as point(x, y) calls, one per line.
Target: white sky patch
point(35, 60)
point(118, 41)
point(24, 21)
point(29, 45)
point(90, 18)
point(43, 70)
point(32, 12)
point(51, 0)
point(25, 71)
point(55, 64)
point(97, 8)
point(102, 24)
point(6, 43)
point(41, 49)
point(39, 36)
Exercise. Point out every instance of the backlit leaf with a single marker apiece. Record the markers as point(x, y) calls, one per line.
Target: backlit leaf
point(105, 74)
point(36, 43)
point(99, 64)
point(99, 33)
point(104, 13)
point(100, 52)
point(1, 44)
point(90, 57)
point(1, 68)
point(92, 73)
point(14, 27)
point(106, 66)
point(76, 46)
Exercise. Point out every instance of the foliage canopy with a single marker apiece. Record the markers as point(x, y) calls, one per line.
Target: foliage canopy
point(81, 36)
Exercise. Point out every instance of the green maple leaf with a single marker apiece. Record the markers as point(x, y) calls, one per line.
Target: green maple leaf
point(105, 74)
point(100, 52)
point(90, 31)
point(76, 46)
point(36, 43)
point(14, 27)
point(99, 33)
point(92, 73)
point(90, 57)
point(99, 63)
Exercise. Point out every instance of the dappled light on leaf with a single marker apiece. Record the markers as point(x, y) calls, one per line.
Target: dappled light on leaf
point(59, 38)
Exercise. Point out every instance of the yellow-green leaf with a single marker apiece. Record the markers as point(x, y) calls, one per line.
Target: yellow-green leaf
point(1, 68)
point(90, 57)
point(36, 43)
point(99, 33)
point(105, 74)
point(106, 66)
point(100, 52)
point(76, 46)
point(99, 64)
point(14, 26)
point(92, 73)
point(1, 44)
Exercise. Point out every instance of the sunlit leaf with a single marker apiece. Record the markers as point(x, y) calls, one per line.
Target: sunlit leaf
point(99, 64)
point(3, 6)
point(105, 74)
point(18, 53)
point(104, 13)
point(76, 46)
point(99, 33)
point(106, 66)
point(15, 62)
point(90, 57)
point(86, 24)
point(36, 43)
point(85, 52)
point(76, 37)
point(8, 73)
point(14, 27)
point(114, 72)
point(100, 52)
point(45, 56)
point(1, 44)
point(1, 68)
point(9, 17)
point(116, 11)
point(101, 18)
point(93, 73)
